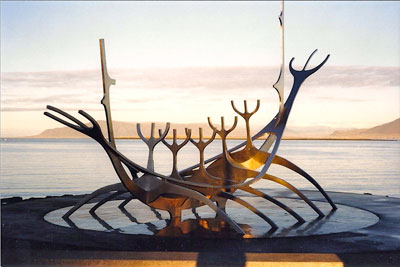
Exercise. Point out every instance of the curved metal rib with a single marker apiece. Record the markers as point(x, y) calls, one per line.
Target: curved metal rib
point(248, 206)
point(273, 200)
point(294, 190)
point(108, 198)
point(286, 163)
point(100, 191)
point(126, 201)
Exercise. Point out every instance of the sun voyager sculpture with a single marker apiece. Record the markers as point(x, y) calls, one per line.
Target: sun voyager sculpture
point(212, 181)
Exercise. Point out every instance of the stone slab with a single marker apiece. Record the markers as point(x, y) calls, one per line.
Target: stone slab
point(28, 238)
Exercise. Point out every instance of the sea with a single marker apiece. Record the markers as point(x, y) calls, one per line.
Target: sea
point(54, 167)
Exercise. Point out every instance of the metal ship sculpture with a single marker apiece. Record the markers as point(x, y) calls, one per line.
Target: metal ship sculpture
point(212, 181)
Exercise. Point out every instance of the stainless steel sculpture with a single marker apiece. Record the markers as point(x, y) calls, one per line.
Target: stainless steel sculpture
point(232, 170)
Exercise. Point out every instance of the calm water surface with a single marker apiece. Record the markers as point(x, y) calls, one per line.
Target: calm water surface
point(37, 167)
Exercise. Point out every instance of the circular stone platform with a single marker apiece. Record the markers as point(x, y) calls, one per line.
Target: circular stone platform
point(138, 219)
point(362, 223)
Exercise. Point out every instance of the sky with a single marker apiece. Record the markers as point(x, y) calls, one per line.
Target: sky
point(185, 61)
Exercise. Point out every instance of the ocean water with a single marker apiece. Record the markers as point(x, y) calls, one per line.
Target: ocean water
point(42, 167)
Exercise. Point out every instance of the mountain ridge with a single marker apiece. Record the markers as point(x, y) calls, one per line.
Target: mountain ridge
point(390, 130)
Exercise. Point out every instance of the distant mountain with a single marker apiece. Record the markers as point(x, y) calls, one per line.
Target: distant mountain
point(389, 130)
point(308, 132)
point(128, 130)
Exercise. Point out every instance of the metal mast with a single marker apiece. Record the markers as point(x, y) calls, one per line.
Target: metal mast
point(107, 82)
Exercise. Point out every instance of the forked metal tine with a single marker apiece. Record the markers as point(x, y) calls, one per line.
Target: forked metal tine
point(166, 130)
point(257, 107)
point(233, 126)
point(151, 142)
point(223, 132)
point(211, 125)
point(235, 109)
point(211, 138)
point(65, 114)
point(174, 145)
point(222, 123)
point(153, 125)
point(309, 58)
point(174, 136)
point(91, 119)
point(245, 114)
point(139, 132)
point(163, 140)
point(200, 138)
point(151, 139)
point(310, 71)
point(48, 114)
point(188, 135)
point(201, 143)
point(188, 132)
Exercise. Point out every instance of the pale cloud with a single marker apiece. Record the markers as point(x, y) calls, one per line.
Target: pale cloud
point(192, 94)
point(343, 99)
point(357, 77)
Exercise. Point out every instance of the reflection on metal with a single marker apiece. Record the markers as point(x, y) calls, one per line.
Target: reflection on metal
point(235, 169)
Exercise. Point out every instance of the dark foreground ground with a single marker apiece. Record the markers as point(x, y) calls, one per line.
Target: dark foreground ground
point(27, 240)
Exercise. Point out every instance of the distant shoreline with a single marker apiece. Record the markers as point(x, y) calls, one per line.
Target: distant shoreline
point(127, 130)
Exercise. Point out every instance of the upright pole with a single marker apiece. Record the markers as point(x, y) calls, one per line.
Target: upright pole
point(107, 82)
point(280, 83)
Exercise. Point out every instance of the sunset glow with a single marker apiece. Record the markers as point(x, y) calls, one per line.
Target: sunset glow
point(184, 61)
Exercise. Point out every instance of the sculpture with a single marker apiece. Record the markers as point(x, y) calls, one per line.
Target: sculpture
point(199, 185)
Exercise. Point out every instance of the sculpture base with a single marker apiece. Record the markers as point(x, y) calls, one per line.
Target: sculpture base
point(138, 219)
point(362, 224)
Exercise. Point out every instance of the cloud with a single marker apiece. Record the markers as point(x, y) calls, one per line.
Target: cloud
point(356, 77)
point(34, 90)
point(50, 79)
point(342, 99)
